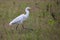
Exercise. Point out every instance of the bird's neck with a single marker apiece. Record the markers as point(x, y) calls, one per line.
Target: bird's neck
point(27, 12)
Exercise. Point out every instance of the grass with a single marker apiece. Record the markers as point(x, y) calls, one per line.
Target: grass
point(40, 20)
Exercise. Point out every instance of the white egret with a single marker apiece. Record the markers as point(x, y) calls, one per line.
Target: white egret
point(21, 18)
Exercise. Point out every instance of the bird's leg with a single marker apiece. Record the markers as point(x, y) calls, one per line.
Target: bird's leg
point(22, 26)
point(26, 28)
point(17, 26)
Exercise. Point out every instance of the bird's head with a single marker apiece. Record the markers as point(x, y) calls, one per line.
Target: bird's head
point(28, 8)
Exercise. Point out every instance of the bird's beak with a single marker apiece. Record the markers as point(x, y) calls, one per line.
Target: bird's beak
point(29, 8)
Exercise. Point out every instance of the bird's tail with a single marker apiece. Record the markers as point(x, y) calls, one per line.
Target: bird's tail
point(10, 23)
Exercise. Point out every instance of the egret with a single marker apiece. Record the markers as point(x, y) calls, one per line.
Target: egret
point(21, 18)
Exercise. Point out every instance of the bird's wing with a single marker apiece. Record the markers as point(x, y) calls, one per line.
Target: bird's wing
point(17, 19)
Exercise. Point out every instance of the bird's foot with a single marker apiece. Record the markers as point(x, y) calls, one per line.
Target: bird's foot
point(28, 29)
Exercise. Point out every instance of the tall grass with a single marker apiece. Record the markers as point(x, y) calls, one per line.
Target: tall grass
point(39, 20)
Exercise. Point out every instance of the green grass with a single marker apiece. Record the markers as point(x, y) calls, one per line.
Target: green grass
point(40, 21)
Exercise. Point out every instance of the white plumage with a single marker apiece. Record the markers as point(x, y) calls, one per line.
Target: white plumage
point(20, 18)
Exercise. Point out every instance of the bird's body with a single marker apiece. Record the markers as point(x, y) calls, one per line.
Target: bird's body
point(20, 18)
point(17, 20)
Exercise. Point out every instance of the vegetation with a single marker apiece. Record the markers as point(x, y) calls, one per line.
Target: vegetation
point(40, 20)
